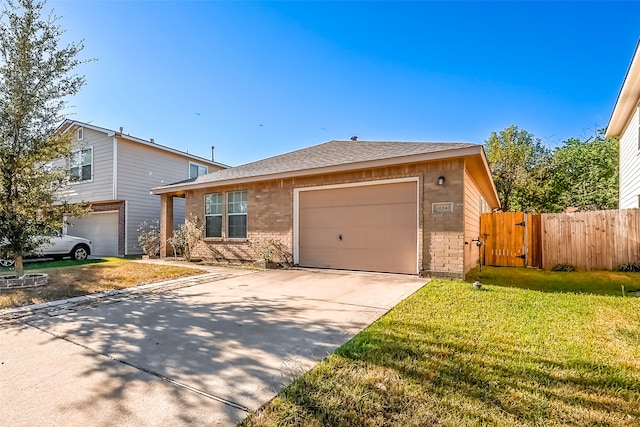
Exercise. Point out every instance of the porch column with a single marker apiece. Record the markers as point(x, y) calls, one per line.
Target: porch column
point(166, 223)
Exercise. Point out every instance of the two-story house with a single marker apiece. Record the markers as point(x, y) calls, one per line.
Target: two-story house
point(114, 173)
point(625, 123)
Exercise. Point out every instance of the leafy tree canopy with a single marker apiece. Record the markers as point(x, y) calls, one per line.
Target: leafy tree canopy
point(581, 173)
point(513, 155)
point(36, 78)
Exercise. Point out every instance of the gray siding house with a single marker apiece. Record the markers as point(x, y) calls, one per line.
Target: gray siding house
point(114, 173)
point(625, 123)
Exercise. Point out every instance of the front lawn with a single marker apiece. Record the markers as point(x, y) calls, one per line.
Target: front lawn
point(73, 278)
point(597, 282)
point(455, 356)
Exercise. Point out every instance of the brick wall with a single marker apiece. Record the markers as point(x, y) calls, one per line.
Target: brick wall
point(270, 213)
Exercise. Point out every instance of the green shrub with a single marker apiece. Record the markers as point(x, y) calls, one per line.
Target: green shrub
point(630, 267)
point(149, 237)
point(564, 267)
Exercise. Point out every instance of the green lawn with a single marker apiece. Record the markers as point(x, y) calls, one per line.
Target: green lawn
point(501, 356)
point(593, 282)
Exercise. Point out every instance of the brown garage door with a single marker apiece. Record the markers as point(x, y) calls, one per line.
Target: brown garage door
point(369, 228)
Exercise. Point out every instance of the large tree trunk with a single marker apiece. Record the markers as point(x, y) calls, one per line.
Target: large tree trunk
point(19, 267)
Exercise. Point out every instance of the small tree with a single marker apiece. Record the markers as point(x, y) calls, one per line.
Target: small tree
point(35, 80)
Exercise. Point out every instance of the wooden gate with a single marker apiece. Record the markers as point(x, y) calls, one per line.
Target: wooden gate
point(511, 239)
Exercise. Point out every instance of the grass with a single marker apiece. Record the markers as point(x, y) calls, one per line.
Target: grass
point(74, 278)
point(451, 355)
point(592, 282)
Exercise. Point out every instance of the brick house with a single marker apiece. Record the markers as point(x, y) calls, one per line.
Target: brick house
point(400, 207)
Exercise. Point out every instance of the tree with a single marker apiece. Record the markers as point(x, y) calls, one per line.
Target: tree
point(585, 173)
point(35, 80)
point(517, 160)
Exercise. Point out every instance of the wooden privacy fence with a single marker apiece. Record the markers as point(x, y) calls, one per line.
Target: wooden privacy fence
point(586, 240)
point(593, 240)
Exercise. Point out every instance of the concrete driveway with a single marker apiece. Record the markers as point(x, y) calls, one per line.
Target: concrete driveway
point(199, 355)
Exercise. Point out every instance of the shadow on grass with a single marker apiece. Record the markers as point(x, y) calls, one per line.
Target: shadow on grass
point(597, 282)
point(45, 263)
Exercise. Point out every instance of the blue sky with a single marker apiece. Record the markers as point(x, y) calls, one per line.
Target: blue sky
point(257, 79)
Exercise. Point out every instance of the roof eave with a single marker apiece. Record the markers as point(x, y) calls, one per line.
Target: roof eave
point(438, 155)
point(627, 97)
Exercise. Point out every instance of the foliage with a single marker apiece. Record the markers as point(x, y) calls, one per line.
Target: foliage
point(149, 237)
point(581, 173)
point(35, 79)
point(270, 250)
point(585, 173)
point(452, 356)
point(515, 157)
point(187, 236)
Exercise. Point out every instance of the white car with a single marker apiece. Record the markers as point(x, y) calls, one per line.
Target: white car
point(59, 247)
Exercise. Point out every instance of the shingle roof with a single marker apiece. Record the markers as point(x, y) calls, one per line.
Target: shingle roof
point(332, 153)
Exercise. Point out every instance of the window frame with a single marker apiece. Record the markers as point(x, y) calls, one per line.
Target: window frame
point(198, 165)
point(225, 214)
point(80, 134)
point(79, 179)
point(211, 215)
point(245, 214)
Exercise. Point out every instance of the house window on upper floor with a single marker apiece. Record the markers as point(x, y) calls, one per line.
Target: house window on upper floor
point(237, 215)
point(81, 165)
point(213, 204)
point(80, 135)
point(196, 170)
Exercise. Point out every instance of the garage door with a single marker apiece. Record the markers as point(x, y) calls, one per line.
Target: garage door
point(99, 227)
point(369, 228)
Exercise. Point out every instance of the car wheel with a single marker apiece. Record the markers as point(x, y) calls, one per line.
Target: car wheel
point(7, 262)
point(80, 252)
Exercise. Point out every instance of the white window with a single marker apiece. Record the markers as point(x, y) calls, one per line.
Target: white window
point(80, 134)
point(81, 165)
point(237, 215)
point(196, 170)
point(213, 204)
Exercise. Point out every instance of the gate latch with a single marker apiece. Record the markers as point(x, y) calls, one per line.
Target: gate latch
point(521, 224)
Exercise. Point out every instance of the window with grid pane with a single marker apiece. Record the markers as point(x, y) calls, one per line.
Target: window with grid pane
point(81, 165)
point(213, 215)
point(237, 214)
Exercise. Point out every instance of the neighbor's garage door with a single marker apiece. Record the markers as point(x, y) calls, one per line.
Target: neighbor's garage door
point(369, 228)
point(99, 227)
